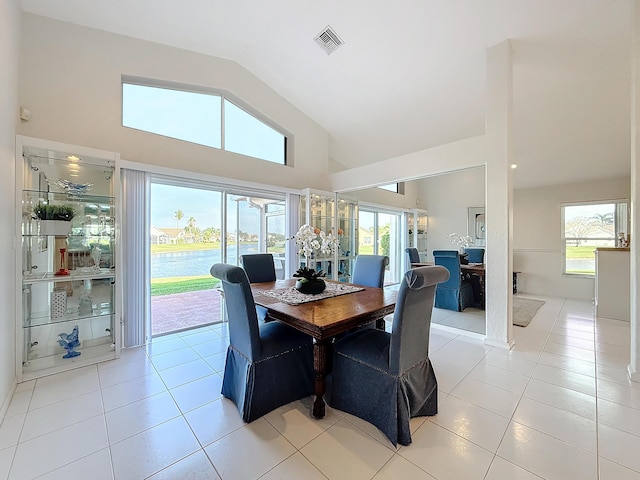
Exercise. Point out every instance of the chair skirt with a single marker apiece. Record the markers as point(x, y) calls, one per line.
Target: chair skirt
point(263, 385)
point(396, 398)
point(454, 298)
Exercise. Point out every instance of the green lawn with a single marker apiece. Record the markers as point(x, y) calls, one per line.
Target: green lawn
point(184, 247)
point(166, 286)
point(580, 252)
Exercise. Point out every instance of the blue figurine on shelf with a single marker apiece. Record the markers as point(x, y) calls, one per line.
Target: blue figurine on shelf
point(70, 342)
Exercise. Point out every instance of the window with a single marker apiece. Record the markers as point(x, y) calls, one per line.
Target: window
point(392, 187)
point(587, 226)
point(204, 118)
point(246, 135)
point(189, 116)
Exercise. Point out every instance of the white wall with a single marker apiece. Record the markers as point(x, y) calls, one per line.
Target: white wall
point(447, 199)
point(9, 47)
point(70, 79)
point(410, 199)
point(537, 250)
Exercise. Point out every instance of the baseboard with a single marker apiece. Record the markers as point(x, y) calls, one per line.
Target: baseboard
point(7, 401)
point(633, 376)
point(458, 331)
point(502, 345)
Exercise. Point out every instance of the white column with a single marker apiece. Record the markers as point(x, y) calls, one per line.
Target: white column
point(499, 197)
point(634, 364)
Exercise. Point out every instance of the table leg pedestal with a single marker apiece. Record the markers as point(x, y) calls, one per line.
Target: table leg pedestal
point(320, 361)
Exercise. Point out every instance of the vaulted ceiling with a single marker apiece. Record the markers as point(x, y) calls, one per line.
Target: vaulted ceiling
point(411, 73)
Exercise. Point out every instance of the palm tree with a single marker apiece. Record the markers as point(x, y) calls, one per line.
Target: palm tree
point(179, 214)
point(190, 227)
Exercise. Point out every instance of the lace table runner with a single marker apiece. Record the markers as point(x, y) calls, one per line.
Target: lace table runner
point(293, 297)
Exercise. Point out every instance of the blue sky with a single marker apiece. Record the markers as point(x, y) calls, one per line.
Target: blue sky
point(588, 211)
point(203, 205)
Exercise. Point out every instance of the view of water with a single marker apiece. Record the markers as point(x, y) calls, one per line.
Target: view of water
point(191, 263)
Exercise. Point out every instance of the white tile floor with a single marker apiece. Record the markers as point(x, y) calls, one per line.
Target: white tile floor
point(558, 406)
point(472, 319)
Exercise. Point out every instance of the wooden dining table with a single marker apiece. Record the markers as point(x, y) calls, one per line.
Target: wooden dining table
point(324, 319)
point(474, 269)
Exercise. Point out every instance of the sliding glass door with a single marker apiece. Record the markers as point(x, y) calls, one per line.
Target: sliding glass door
point(191, 229)
point(255, 225)
point(185, 242)
point(380, 234)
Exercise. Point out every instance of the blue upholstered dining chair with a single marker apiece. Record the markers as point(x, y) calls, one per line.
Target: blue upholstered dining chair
point(414, 256)
point(474, 254)
point(368, 270)
point(456, 293)
point(259, 268)
point(268, 365)
point(387, 378)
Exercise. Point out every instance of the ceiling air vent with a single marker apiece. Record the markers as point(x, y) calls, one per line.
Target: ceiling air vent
point(329, 40)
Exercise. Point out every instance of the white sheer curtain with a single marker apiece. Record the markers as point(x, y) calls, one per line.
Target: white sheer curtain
point(136, 270)
point(292, 226)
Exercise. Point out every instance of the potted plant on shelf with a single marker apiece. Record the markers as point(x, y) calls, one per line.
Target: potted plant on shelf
point(54, 219)
point(310, 240)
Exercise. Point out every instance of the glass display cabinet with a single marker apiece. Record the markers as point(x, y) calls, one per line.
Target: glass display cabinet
point(68, 310)
point(417, 231)
point(347, 220)
point(338, 214)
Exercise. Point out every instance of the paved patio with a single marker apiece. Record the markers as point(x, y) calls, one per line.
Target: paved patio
point(180, 311)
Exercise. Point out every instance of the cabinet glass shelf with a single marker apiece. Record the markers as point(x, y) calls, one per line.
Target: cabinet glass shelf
point(98, 201)
point(67, 300)
point(75, 275)
point(43, 318)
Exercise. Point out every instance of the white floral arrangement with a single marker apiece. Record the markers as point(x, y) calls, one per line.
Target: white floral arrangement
point(460, 240)
point(310, 240)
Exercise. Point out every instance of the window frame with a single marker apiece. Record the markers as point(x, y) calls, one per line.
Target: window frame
point(399, 187)
point(224, 95)
point(616, 228)
point(393, 271)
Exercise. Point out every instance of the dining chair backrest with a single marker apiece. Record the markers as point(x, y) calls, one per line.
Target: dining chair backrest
point(368, 270)
point(474, 254)
point(450, 259)
point(259, 267)
point(414, 256)
point(412, 317)
point(241, 310)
